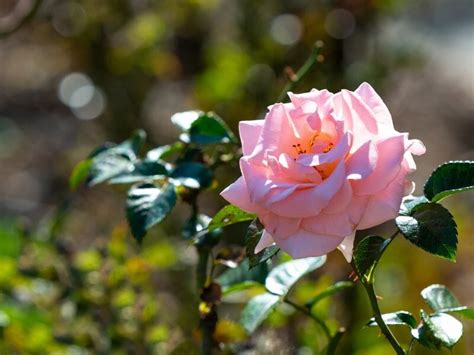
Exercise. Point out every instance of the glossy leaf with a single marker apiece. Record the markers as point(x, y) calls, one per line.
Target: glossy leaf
point(244, 285)
point(148, 205)
point(367, 253)
point(450, 178)
point(464, 311)
point(439, 298)
point(257, 310)
point(242, 273)
point(142, 170)
point(165, 151)
point(195, 224)
point(184, 120)
point(331, 290)
point(254, 233)
point(438, 330)
point(396, 318)
point(193, 175)
point(107, 166)
point(431, 227)
point(285, 275)
point(210, 129)
point(228, 215)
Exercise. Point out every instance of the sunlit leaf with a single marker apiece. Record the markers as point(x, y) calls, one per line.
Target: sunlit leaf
point(331, 290)
point(439, 298)
point(439, 329)
point(80, 173)
point(228, 215)
point(450, 178)
point(148, 205)
point(257, 310)
point(431, 227)
point(165, 151)
point(285, 275)
point(142, 170)
point(396, 318)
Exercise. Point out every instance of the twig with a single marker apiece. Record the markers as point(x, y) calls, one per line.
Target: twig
point(294, 79)
point(306, 311)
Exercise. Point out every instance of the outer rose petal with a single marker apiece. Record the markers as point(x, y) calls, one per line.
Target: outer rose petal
point(249, 134)
point(362, 162)
point(341, 200)
point(265, 241)
point(304, 244)
point(390, 156)
point(329, 224)
point(280, 227)
point(385, 205)
point(238, 195)
point(380, 110)
point(347, 246)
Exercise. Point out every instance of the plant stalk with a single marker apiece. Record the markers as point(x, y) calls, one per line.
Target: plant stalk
point(306, 311)
point(369, 287)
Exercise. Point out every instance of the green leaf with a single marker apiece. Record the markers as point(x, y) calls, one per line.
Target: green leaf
point(331, 290)
point(107, 166)
point(439, 298)
point(80, 173)
point(367, 254)
point(395, 318)
point(431, 227)
point(254, 233)
point(409, 203)
point(437, 330)
point(143, 170)
point(148, 205)
point(193, 175)
point(285, 275)
point(244, 285)
point(165, 151)
point(257, 310)
point(242, 273)
point(210, 129)
point(450, 178)
point(228, 215)
point(462, 311)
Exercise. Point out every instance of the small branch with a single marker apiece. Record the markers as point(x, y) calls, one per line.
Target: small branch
point(306, 311)
point(295, 78)
point(331, 349)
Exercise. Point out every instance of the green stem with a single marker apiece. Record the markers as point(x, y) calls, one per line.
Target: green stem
point(331, 349)
point(301, 73)
point(369, 287)
point(306, 311)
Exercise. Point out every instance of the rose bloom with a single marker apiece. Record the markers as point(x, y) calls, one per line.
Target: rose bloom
point(319, 168)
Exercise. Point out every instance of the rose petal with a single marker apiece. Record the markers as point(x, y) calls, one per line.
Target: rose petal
point(304, 244)
point(329, 224)
point(238, 195)
point(362, 162)
point(265, 241)
point(346, 247)
point(279, 226)
point(249, 134)
point(390, 155)
point(338, 152)
point(378, 107)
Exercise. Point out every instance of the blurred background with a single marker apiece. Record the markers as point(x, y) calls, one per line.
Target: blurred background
point(74, 74)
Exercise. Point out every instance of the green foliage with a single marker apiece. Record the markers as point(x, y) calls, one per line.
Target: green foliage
point(278, 283)
point(431, 227)
point(396, 318)
point(228, 215)
point(192, 175)
point(284, 276)
point(331, 290)
point(440, 299)
point(438, 330)
point(202, 128)
point(367, 254)
point(450, 178)
point(242, 277)
point(254, 233)
point(148, 205)
point(257, 310)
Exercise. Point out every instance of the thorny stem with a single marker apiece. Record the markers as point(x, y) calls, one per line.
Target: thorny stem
point(368, 284)
point(301, 73)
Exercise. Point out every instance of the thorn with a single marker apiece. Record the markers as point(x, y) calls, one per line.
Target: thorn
point(289, 72)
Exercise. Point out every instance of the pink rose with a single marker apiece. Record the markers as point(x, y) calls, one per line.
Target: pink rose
point(321, 167)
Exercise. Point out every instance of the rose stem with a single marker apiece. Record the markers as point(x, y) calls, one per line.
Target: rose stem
point(313, 58)
point(369, 287)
